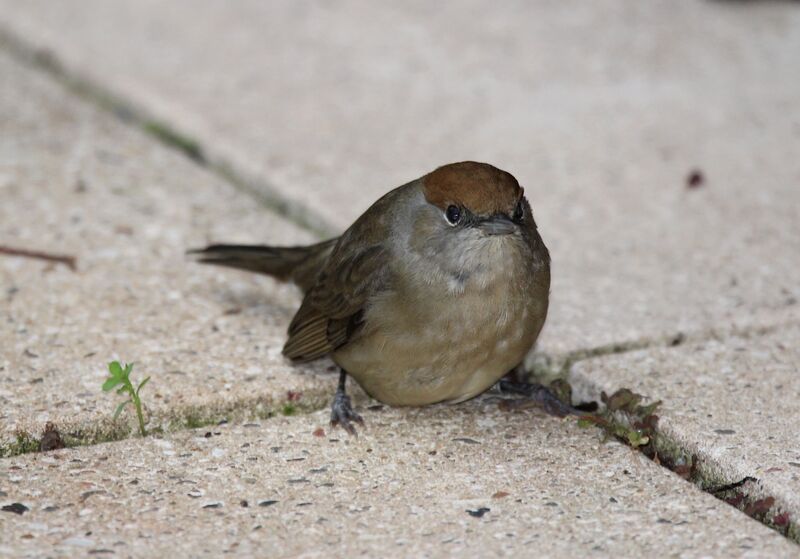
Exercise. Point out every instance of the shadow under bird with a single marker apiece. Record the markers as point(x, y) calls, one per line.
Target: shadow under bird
point(433, 295)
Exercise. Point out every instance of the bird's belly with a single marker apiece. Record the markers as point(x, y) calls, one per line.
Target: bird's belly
point(449, 351)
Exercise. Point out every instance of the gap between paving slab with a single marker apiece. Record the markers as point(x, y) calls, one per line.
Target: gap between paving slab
point(166, 133)
point(758, 464)
point(533, 484)
point(548, 366)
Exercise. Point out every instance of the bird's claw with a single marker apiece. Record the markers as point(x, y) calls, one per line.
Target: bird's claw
point(536, 395)
point(342, 414)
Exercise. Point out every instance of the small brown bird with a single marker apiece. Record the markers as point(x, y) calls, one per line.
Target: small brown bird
point(436, 292)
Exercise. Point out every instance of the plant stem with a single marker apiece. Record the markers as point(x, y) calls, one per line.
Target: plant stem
point(138, 405)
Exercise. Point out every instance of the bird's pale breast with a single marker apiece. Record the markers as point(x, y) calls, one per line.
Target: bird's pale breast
point(423, 344)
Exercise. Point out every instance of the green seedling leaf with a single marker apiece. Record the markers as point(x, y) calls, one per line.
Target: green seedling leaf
point(115, 369)
point(627, 420)
point(111, 383)
point(636, 439)
point(583, 423)
point(120, 408)
point(141, 385)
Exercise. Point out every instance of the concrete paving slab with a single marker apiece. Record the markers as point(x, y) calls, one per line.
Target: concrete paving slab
point(639, 253)
point(73, 180)
point(404, 488)
point(732, 404)
point(602, 110)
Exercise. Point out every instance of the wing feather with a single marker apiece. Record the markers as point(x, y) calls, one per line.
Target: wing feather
point(332, 310)
point(357, 269)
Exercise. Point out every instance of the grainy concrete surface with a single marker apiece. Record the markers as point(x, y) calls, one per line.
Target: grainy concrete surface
point(402, 489)
point(601, 109)
point(74, 180)
point(733, 403)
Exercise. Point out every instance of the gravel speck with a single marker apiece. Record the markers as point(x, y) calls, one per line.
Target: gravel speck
point(478, 513)
point(16, 508)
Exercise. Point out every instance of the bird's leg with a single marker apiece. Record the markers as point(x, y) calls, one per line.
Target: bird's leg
point(535, 395)
point(342, 410)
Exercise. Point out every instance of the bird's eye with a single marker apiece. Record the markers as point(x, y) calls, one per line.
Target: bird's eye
point(453, 214)
point(519, 212)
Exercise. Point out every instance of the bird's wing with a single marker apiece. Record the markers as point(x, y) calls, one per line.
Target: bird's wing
point(357, 269)
point(332, 309)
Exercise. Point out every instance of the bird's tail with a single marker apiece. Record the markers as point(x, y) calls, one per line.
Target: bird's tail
point(299, 264)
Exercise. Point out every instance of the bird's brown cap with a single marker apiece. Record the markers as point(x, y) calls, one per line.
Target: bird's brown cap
point(479, 187)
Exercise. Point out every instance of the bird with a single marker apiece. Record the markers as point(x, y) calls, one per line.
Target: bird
point(434, 294)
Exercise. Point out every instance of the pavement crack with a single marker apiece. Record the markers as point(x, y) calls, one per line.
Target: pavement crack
point(129, 112)
point(213, 413)
point(731, 486)
point(546, 367)
point(625, 418)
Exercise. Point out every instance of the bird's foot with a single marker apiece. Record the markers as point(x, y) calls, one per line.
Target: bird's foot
point(342, 413)
point(535, 395)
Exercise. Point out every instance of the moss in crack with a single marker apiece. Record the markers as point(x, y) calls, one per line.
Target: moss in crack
point(47, 61)
point(793, 531)
point(189, 417)
point(608, 349)
point(765, 509)
point(294, 211)
point(288, 409)
point(265, 414)
point(743, 494)
point(628, 420)
point(172, 138)
point(105, 432)
point(544, 368)
point(194, 419)
point(23, 443)
point(67, 437)
point(132, 113)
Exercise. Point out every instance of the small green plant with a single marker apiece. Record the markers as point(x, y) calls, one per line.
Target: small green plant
point(626, 419)
point(120, 377)
point(288, 409)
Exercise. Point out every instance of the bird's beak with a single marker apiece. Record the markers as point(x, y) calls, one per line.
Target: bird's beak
point(497, 225)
